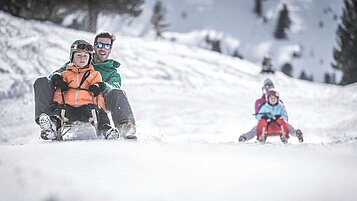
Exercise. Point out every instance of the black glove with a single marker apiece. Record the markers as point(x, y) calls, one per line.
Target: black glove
point(95, 89)
point(58, 82)
point(102, 86)
point(265, 117)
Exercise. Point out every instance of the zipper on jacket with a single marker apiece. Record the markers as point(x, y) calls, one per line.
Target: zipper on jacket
point(77, 90)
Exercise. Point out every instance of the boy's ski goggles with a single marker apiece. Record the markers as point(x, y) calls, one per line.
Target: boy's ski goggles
point(105, 45)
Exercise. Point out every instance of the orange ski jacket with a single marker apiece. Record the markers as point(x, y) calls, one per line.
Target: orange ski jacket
point(79, 80)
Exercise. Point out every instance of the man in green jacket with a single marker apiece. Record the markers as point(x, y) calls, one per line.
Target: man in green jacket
point(115, 99)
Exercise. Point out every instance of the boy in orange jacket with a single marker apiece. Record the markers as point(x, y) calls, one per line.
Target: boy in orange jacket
point(78, 91)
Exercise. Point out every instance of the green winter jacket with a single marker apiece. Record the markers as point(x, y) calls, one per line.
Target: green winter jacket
point(108, 71)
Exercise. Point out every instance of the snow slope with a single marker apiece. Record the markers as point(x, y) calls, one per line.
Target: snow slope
point(312, 34)
point(191, 105)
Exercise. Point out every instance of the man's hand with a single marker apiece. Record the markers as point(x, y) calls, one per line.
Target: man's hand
point(102, 86)
point(95, 89)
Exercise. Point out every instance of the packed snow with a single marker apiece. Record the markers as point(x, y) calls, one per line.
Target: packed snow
point(190, 105)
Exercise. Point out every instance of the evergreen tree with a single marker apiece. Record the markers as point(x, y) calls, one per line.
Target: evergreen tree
point(258, 8)
point(237, 54)
point(303, 76)
point(49, 9)
point(345, 54)
point(158, 18)
point(283, 24)
point(327, 78)
point(287, 69)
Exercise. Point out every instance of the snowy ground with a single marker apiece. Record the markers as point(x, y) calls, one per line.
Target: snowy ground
point(191, 105)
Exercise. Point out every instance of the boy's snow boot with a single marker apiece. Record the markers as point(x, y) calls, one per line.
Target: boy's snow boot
point(299, 135)
point(47, 127)
point(242, 138)
point(112, 133)
point(127, 130)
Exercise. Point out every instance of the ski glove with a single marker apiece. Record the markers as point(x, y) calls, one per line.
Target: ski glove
point(58, 82)
point(102, 86)
point(95, 89)
point(269, 119)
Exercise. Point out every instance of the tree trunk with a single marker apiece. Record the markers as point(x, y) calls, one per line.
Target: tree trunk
point(92, 16)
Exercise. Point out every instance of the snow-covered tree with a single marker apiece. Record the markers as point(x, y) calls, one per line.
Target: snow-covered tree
point(158, 18)
point(287, 69)
point(258, 8)
point(283, 24)
point(303, 76)
point(345, 54)
point(49, 9)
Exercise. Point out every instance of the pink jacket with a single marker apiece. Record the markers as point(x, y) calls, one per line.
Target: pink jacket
point(259, 103)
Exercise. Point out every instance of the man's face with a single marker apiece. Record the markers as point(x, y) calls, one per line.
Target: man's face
point(101, 53)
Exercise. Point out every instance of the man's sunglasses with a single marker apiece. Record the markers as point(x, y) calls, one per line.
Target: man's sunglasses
point(87, 47)
point(105, 45)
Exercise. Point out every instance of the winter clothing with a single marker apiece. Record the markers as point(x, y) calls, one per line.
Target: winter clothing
point(95, 89)
point(268, 84)
point(79, 81)
point(78, 101)
point(108, 71)
point(272, 117)
point(116, 100)
point(81, 45)
point(43, 89)
point(259, 103)
point(48, 129)
point(272, 110)
point(58, 82)
point(118, 104)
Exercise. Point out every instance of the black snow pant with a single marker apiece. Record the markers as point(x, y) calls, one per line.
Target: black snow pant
point(115, 99)
point(117, 103)
point(82, 113)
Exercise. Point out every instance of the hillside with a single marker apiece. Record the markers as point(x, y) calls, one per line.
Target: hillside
point(312, 35)
point(190, 105)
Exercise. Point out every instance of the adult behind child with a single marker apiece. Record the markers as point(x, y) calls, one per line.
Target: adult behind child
point(78, 92)
point(268, 85)
point(115, 99)
point(272, 116)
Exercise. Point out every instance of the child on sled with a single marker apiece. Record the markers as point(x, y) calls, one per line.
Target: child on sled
point(268, 85)
point(78, 92)
point(272, 118)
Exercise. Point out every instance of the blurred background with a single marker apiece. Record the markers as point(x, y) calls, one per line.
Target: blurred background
point(306, 39)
